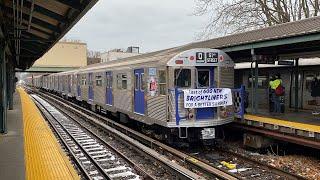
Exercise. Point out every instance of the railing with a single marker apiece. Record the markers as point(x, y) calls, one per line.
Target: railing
point(238, 101)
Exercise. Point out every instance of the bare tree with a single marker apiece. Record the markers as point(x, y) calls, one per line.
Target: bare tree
point(93, 54)
point(231, 16)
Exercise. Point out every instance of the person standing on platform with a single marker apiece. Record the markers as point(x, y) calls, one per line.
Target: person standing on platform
point(277, 90)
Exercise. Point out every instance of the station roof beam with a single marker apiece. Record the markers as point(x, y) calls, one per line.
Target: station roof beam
point(32, 27)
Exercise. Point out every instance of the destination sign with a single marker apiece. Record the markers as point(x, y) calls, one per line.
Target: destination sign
point(212, 57)
point(209, 57)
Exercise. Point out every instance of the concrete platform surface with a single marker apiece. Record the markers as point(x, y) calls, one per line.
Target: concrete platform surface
point(30, 150)
point(12, 166)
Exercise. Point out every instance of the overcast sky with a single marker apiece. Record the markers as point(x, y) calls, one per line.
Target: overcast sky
point(150, 24)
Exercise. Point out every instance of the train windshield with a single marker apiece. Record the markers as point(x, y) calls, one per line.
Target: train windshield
point(203, 78)
point(182, 78)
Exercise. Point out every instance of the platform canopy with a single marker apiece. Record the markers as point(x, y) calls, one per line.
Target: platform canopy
point(31, 27)
point(289, 40)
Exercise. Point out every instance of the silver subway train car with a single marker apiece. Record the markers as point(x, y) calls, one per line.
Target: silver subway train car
point(186, 95)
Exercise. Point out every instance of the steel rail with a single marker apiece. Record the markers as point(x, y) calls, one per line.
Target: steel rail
point(144, 173)
point(180, 171)
point(50, 118)
point(154, 144)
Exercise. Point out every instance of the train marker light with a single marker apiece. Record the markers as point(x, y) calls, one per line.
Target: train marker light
point(191, 58)
point(179, 61)
point(221, 58)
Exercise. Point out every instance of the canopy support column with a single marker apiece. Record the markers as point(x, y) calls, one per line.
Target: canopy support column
point(10, 81)
point(254, 84)
point(296, 85)
point(3, 89)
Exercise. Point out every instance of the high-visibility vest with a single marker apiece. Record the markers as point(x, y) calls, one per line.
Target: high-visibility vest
point(274, 84)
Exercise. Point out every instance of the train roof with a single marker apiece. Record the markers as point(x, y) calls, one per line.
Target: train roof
point(163, 58)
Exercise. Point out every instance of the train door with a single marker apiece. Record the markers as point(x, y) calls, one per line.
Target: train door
point(139, 102)
point(78, 85)
point(90, 85)
point(59, 83)
point(69, 83)
point(109, 98)
point(205, 79)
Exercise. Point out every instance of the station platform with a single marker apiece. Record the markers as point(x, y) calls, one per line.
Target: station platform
point(30, 150)
point(301, 123)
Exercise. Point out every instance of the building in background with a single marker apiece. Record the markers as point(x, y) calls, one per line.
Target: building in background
point(65, 55)
point(116, 54)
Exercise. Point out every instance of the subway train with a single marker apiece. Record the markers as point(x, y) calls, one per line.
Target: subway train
point(177, 95)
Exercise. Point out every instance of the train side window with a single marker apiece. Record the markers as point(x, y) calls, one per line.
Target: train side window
point(162, 82)
point(142, 84)
point(182, 77)
point(109, 81)
point(122, 81)
point(83, 80)
point(136, 82)
point(98, 81)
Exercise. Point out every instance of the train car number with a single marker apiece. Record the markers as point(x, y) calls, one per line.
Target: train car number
point(208, 133)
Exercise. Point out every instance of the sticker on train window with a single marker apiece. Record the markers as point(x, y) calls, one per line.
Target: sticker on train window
point(152, 71)
point(200, 57)
point(212, 57)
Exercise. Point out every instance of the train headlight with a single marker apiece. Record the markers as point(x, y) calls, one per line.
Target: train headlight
point(223, 112)
point(190, 113)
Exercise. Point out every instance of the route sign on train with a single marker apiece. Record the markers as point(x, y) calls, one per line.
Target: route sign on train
point(201, 57)
point(209, 57)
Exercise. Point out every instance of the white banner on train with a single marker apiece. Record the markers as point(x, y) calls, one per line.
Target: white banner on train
point(201, 98)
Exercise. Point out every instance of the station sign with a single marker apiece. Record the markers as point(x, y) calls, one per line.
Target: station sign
point(265, 59)
point(286, 62)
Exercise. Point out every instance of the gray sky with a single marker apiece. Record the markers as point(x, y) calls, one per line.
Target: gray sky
point(149, 24)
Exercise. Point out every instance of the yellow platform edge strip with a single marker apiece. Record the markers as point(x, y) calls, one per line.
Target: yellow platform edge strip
point(283, 123)
point(44, 157)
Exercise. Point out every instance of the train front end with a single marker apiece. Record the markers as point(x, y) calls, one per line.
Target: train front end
point(202, 97)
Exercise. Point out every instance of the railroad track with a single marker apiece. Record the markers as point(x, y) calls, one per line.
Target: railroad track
point(96, 158)
point(184, 159)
